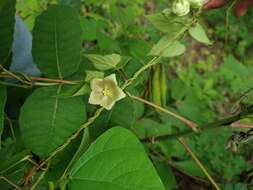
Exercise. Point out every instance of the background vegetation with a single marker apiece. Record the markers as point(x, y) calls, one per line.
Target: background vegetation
point(204, 85)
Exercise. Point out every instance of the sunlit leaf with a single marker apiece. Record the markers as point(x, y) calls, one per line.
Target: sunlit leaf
point(115, 161)
point(199, 34)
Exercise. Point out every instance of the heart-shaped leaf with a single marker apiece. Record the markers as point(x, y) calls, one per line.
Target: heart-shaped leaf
point(115, 161)
point(47, 121)
point(57, 41)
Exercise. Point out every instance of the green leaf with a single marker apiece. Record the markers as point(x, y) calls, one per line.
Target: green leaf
point(57, 41)
point(73, 3)
point(45, 117)
point(122, 116)
point(199, 34)
point(167, 176)
point(7, 21)
point(170, 24)
point(190, 167)
point(104, 62)
point(13, 160)
point(115, 161)
point(75, 90)
point(93, 74)
point(146, 128)
point(2, 106)
point(124, 60)
point(167, 48)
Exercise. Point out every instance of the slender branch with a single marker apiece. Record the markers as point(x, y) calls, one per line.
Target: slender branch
point(212, 125)
point(15, 164)
point(191, 124)
point(43, 173)
point(166, 161)
point(13, 84)
point(13, 75)
point(10, 182)
point(201, 166)
point(155, 60)
point(69, 140)
point(8, 74)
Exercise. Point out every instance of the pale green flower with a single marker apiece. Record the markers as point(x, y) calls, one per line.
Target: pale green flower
point(105, 92)
point(196, 3)
point(181, 7)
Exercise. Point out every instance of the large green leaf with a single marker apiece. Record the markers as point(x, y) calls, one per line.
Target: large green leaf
point(166, 47)
point(57, 41)
point(2, 105)
point(7, 21)
point(47, 120)
point(115, 161)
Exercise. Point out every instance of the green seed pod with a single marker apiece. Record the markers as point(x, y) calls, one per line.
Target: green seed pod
point(164, 85)
point(156, 90)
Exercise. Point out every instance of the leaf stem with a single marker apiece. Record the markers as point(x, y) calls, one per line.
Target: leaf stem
point(201, 166)
point(10, 182)
point(13, 75)
point(8, 74)
point(191, 124)
point(43, 173)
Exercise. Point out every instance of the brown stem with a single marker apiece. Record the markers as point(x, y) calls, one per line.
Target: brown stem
point(191, 124)
point(8, 75)
point(10, 182)
point(197, 161)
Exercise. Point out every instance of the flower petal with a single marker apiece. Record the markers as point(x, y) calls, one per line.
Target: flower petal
point(119, 94)
point(97, 84)
point(96, 98)
point(111, 78)
point(107, 103)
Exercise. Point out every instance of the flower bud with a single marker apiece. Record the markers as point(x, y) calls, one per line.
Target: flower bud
point(196, 3)
point(181, 7)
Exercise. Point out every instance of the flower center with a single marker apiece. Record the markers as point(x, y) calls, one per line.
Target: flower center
point(106, 91)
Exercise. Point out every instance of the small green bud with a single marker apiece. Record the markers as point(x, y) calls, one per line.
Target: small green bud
point(181, 7)
point(196, 3)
